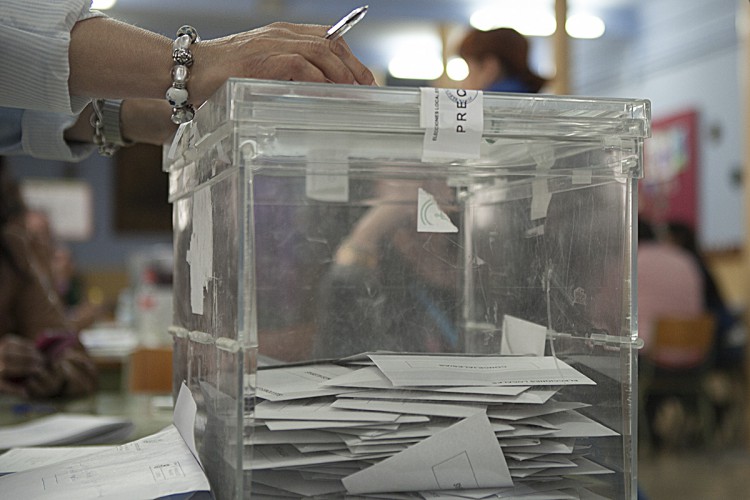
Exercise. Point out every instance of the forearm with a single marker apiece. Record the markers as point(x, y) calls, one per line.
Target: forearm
point(111, 59)
point(143, 121)
point(147, 121)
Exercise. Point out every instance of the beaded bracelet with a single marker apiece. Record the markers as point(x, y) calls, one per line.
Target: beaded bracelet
point(106, 122)
point(177, 94)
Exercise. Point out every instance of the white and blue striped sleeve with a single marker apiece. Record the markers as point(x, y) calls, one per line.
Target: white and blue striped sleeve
point(35, 41)
point(39, 134)
point(42, 136)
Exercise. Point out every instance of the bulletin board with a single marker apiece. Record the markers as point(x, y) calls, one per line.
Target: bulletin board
point(67, 203)
point(669, 188)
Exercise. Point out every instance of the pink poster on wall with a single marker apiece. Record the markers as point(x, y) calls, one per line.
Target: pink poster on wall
point(669, 188)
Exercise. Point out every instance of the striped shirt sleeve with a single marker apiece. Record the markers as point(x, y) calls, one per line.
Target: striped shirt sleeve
point(35, 40)
point(43, 137)
point(39, 134)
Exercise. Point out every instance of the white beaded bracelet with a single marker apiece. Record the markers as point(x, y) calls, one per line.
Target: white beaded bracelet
point(177, 94)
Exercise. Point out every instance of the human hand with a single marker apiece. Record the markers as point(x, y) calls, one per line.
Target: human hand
point(45, 383)
point(19, 360)
point(279, 51)
point(77, 370)
point(71, 373)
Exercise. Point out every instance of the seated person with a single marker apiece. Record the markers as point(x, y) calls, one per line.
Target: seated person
point(729, 350)
point(40, 356)
point(57, 262)
point(669, 284)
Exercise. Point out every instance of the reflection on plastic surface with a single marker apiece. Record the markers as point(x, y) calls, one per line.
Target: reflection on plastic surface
point(312, 200)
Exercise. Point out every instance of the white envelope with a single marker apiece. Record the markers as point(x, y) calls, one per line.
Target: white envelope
point(465, 455)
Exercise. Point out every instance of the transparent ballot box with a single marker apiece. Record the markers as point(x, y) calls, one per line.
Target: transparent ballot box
point(408, 293)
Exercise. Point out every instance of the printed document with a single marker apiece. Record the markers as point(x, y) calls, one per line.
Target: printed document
point(155, 466)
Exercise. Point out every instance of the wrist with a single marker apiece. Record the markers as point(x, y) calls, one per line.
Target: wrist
point(147, 121)
point(204, 77)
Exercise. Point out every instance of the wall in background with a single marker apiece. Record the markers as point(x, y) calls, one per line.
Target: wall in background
point(107, 248)
point(685, 56)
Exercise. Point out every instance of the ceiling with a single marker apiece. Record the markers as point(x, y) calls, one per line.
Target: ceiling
point(375, 40)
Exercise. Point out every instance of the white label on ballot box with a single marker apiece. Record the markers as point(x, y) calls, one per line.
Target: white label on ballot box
point(453, 120)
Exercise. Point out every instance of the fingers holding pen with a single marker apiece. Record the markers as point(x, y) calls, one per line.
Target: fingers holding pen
point(279, 51)
point(336, 46)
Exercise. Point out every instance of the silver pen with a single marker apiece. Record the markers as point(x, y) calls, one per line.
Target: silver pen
point(346, 23)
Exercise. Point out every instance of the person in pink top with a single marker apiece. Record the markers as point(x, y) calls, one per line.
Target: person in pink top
point(669, 283)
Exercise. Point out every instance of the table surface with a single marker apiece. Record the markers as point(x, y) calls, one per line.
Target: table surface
point(149, 413)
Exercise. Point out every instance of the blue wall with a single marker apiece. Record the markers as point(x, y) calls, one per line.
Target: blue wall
point(106, 249)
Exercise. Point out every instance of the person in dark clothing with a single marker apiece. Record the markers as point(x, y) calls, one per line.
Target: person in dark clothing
point(498, 62)
point(726, 354)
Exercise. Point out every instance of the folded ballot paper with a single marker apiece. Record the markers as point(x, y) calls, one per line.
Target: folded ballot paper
point(387, 425)
point(164, 464)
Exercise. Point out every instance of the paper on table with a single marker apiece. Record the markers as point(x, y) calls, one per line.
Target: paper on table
point(155, 466)
point(20, 459)
point(522, 338)
point(465, 455)
point(416, 370)
point(62, 428)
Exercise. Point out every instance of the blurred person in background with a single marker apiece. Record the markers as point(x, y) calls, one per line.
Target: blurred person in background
point(498, 61)
point(727, 353)
point(670, 285)
point(727, 379)
point(40, 355)
point(57, 262)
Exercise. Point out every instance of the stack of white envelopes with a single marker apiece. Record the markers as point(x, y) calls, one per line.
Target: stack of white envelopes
point(394, 426)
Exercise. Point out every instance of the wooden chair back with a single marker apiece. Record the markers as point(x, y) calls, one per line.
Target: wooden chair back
point(150, 370)
point(683, 342)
